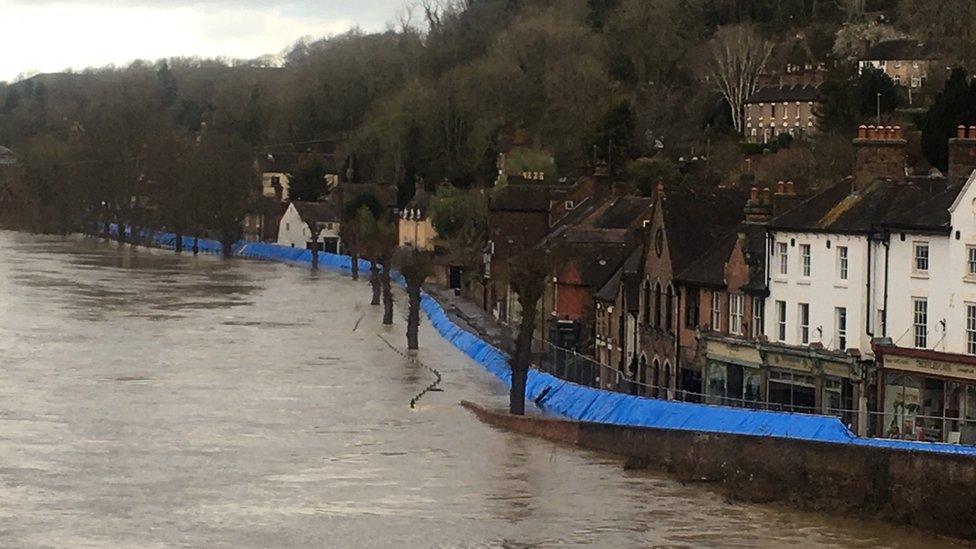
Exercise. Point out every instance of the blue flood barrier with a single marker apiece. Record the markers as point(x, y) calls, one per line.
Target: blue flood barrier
point(585, 403)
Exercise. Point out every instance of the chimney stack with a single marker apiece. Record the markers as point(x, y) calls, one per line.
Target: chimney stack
point(601, 181)
point(879, 154)
point(785, 198)
point(759, 208)
point(962, 153)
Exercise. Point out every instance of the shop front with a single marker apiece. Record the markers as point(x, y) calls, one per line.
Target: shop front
point(926, 395)
point(775, 377)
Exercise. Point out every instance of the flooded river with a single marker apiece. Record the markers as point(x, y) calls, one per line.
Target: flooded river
point(154, 400)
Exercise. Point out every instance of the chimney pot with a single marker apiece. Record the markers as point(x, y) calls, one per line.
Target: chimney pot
point(753, 194)
point(780, 187)
point(898, 134)
point(862, 132)
point(972, 132)
point(790, 189)
point(767, 195)
point(960, 132)
point(872, 133)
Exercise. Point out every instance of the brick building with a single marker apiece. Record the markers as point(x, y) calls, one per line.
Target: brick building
point(775, 110)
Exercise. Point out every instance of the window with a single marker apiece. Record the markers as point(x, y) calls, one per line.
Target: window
point(287, 226)
point(971, 260)
point(569, 205)
point(657, 304)
point(784, 257)
point(781, 320)
point(971, 328)
point(669, 313)
point(735, 314)
point(840, 314)
point(842, 262)
point(921, 257)
point(805, 259)
point(772, 110)
point(920, 321)
point(757, 317)
point(647, 302)
point(803, 323)
point(691, 308)
point(716, 312)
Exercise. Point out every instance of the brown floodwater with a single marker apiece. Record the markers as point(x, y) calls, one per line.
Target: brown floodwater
point(154, 400)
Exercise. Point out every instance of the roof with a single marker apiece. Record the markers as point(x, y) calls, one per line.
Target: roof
point(931, 215)
point(318, 212)
point(521, 198)
point(899, 50)
point(709, 268)
point(883, 203)
point(696, 219)
point(622, 212)
point(420, 203)
point(609, 291)
point(774, 94)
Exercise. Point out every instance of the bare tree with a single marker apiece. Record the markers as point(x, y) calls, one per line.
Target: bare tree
point(415, 266)
point(738, 55)
point(528, 279)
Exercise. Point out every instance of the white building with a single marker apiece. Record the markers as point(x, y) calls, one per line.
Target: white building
point(295, 228)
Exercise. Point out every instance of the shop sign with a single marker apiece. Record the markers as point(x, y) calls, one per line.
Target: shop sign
point(792, 362)
point(745, 355)
point(929, 366)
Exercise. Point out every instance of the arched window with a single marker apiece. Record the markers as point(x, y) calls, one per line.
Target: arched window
point(655, 378)
point(647, 302)
point(666, 381)
point(657, 304)
point(669, 314)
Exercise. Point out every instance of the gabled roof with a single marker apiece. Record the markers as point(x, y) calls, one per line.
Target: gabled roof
point(709, 269)
point(905, 49)
point(884, 202)
point(696, 219)
point(931, 215)
point(318, 212)
point(776, 94)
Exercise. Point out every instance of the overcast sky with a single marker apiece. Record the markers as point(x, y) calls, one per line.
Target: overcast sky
point(52, 35)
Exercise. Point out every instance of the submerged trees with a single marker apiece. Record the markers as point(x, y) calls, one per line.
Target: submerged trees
point(528, 281)
point(415, 266)
point(224, 173)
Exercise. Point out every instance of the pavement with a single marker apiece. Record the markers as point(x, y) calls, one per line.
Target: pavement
point(471, 317)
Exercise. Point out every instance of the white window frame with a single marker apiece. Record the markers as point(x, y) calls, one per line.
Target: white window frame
point(736, 311)
point(971, 328)
point(920, 321)
point(757, 317)
point(805, 252)
point(781, 320)
point(716, 312)
point(971, 261)
point(843, 262)
point(803, 323)
point(783, 249)
point(840, 321)
point(920, 257)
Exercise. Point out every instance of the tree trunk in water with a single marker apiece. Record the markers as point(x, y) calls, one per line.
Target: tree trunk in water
point(196, 245)
point(354, 261)
point(522, 360)
point(315, 254)
point(179, 243)
point(374, 281)
point(387, 293)
point(121, 236)
point(226, 248)
point(413, 317)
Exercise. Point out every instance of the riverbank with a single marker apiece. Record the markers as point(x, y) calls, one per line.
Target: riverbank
point(929, 492)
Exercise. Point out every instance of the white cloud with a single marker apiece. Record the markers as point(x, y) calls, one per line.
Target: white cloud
point(50, 37)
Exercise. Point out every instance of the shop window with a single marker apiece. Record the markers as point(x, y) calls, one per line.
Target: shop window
point(805, 259)
point(803, 323)
point(921, 257)
point(842, 262)
point(716, 311)
point(735, 314)
point(971, 330)
point(716, 387)
point(757, 317)
point(920, 314)
point(784, 257)
point(792, 392)
point(840, 318)
point(781, 320)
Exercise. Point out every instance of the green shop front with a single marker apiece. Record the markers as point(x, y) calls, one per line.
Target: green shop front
point(754, 374)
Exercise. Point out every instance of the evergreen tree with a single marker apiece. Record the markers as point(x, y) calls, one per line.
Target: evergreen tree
point(954, 105)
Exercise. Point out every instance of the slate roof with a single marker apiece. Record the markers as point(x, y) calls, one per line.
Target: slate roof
point(608, 293)
point(899, 50)
point(622, 212)
point(694, 220)
point(318, 212)
point(709, 269)
point(776, 94)
point(521, 198)
point(931, 215)
point(882, 203)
